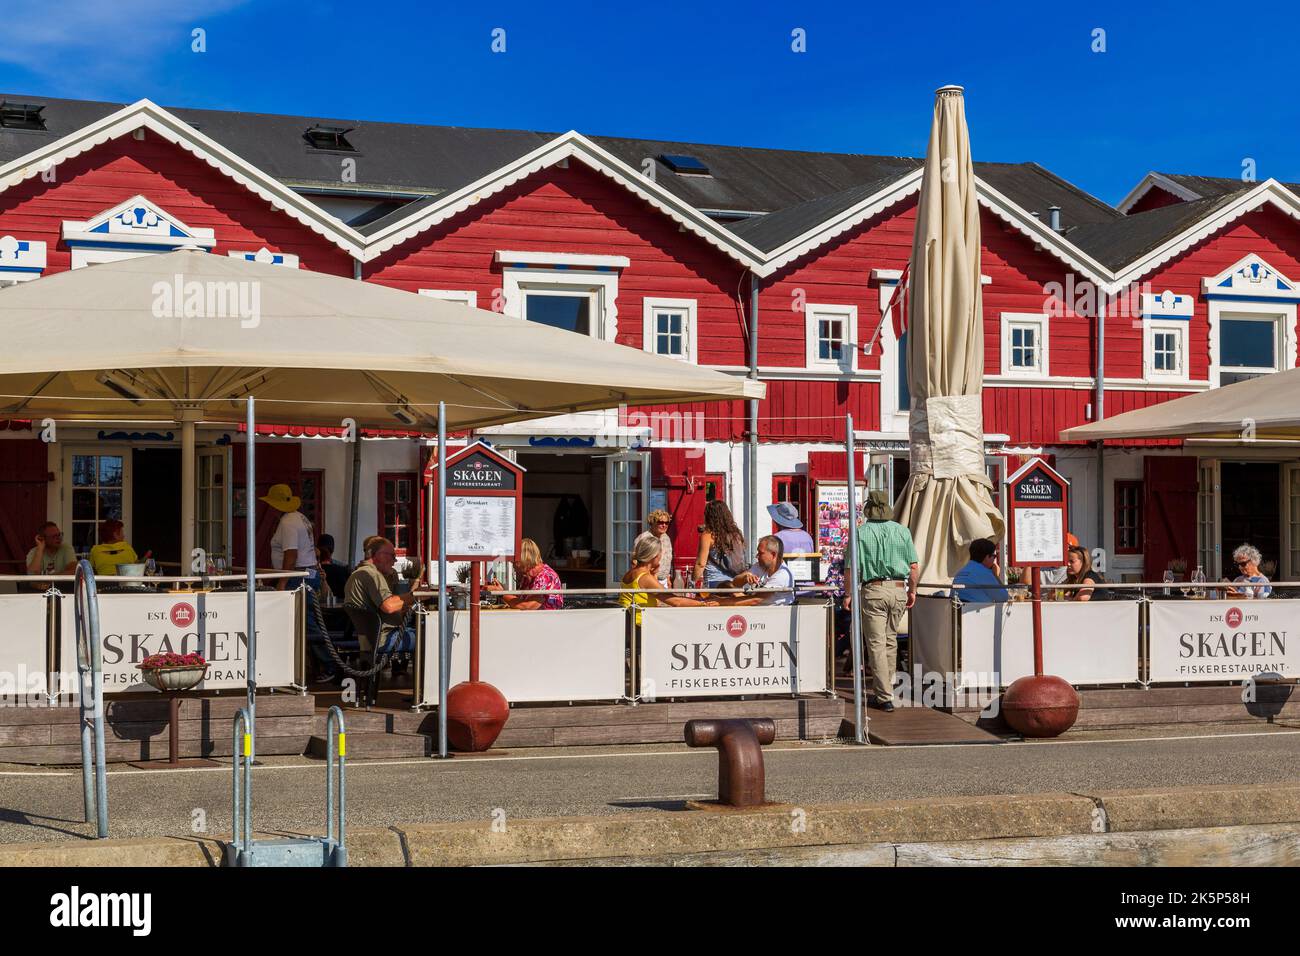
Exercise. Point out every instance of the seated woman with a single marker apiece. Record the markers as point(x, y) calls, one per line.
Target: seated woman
point(534, 575)
point(1256, 585)
point(1078, 564)
point(111, 550)
point(642, 578)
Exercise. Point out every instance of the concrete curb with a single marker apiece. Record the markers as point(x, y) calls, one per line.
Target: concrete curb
point(879, 830)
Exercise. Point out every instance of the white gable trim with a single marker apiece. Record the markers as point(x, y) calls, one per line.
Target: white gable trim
point(571, 259)
point(1151, 181)
point(150, 117)
point(136, 222)
point(571, 145)
point(1269, 192)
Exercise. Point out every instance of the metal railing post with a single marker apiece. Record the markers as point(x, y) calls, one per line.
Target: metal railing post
point(854, 586)
point(241, 790)
point(335, 834)
point(90, 667)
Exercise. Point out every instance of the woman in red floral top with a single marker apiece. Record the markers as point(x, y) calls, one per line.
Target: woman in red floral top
point(534, 575)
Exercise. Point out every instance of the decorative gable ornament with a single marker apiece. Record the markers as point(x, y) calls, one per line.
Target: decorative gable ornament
point(1251, 278)
point(1167, 305)
point(136, 224)
point(267, 257)
point(21, 260)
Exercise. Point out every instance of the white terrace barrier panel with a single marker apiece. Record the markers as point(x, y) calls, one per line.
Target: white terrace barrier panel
point(24, 636)
point(734, 652)
point(133, 626)
point(1205, 641)
point(1092, 642)
point(531, 656)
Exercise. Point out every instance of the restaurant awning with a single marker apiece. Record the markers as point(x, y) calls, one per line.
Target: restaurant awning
point(143, 338)
point(1259, 409)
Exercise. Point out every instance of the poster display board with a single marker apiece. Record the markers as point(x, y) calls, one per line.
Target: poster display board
point(1205, 641)
point(834, 528)
point(574, 654)
point(22, 647)
point(133, 626)
point(733, 652)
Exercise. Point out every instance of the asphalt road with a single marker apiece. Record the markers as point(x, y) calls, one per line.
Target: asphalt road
point(289, 792)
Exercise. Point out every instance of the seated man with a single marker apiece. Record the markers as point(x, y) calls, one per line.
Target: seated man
point(52, 555)
point(769, 572)
point(980, 575)
point(371, 604)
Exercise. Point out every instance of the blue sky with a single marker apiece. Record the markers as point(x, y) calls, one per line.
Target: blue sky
point(1179, 88)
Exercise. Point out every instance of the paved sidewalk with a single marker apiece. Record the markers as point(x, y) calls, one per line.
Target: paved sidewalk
point(40, 805)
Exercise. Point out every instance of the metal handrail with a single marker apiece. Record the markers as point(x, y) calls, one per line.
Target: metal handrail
point(90, 668)
point(241, 760)
point(335, 835)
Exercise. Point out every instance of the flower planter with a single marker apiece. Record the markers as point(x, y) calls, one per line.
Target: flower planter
point(172, 679)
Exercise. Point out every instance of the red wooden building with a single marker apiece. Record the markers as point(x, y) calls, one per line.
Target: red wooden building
point(771, 263)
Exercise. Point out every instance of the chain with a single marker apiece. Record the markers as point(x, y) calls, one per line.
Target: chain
point(384, 629)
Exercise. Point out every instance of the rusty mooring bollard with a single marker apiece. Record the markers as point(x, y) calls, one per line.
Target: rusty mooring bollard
point(740, 755)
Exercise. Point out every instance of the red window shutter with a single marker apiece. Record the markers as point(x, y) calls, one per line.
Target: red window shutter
point(24, 474)
point(1169, 513)
point(833, 466)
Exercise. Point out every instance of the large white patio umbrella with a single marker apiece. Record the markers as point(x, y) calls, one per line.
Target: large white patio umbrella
point(947, 501)
point(1259, 409)
point(183, 337)
point(190, 337)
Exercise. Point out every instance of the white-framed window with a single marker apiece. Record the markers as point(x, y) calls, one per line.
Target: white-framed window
point(1024, 344)
point(1167, 349)
point(831, 332)
point(895, 394)
point(1252, 314)
point(462, 296)
point(669, 328)
point(571, 299)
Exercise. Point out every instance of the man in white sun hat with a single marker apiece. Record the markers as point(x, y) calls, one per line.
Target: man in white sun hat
point(293, 548)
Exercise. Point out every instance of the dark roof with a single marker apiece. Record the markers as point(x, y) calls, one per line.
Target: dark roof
point(1125, 239)
point(416, 161)
point(775, 229)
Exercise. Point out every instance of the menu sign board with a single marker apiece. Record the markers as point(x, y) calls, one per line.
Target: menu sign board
point(1038, 498)
point(834, 529)
point(484, 505)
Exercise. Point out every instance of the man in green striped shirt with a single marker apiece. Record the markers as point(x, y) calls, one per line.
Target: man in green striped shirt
point(888, 569)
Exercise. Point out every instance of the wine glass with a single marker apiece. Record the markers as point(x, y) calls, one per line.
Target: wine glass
point(1168, 580)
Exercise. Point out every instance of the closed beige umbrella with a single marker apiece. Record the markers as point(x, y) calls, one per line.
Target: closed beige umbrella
point(947, 501)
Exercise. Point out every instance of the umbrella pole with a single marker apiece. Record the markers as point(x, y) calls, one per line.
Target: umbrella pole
point(250, 562)
point(187, 492)
point(444, 615)
point(855, 590)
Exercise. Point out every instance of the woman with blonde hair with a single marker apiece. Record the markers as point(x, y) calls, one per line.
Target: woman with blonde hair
point(534, 575)
point(640, 582)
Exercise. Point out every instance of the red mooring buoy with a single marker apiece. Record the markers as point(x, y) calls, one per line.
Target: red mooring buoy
point(476, 712)
point(1040, 705)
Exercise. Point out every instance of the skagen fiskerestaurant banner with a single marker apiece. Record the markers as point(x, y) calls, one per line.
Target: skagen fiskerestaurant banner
point(1223, 640)
point(732, 652)
point(133, 626)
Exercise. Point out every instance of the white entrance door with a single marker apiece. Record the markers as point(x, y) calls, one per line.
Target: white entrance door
point(1207, 522)
point(628, 497)
point(1291, 521)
